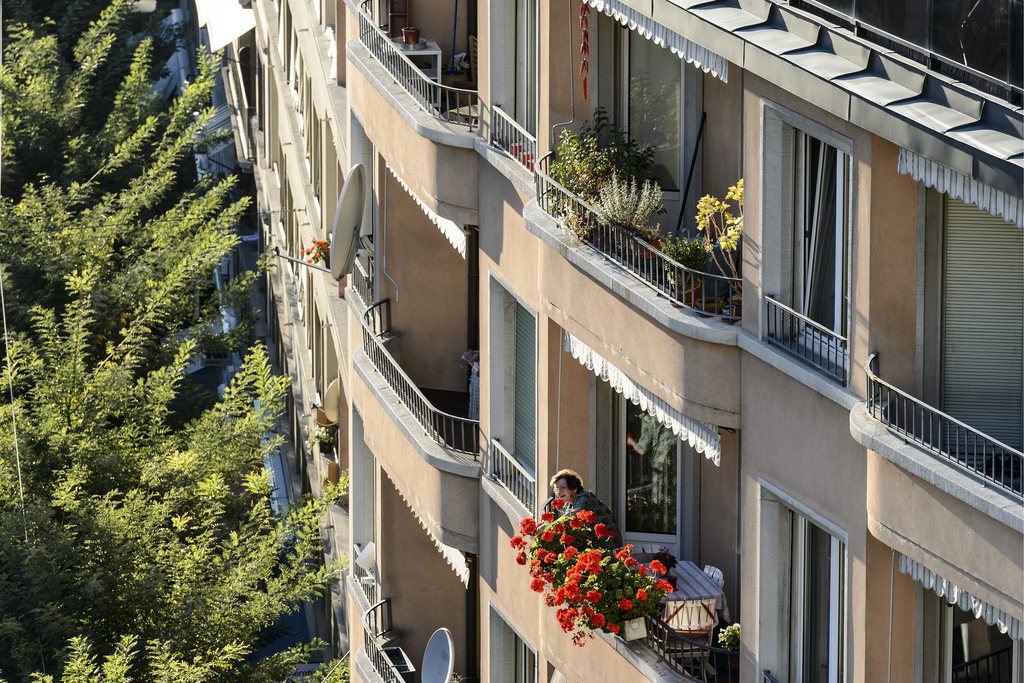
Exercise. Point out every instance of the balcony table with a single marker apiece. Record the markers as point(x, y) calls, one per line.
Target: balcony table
point(692, 584)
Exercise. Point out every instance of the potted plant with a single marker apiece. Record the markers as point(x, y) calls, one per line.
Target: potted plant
point(322, 437)
point(722, 230)
point(318, 252)
point(729, 639)
point(592, 586)
point(692, 254)
point(622, 201)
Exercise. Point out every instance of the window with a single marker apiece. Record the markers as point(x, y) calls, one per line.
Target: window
point(513, 373)
point(526, 58)
point(805, 225)
point(524, 384)
point(958, 648)
point(512, 659)
point(802, 604)
point(817, 607)
point(819, 232)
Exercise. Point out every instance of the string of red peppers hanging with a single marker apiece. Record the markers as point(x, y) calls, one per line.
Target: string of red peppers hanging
point(584, 44)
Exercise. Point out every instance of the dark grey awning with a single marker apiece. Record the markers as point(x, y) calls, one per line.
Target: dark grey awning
point(969, 132)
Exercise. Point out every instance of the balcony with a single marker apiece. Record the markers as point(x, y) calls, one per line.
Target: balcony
point(691, 660)
point(917, 423)
point(455, 433)
point(512, 139)
point(501, 467)
point(453, 105)
point(798, 335)
point(709, 295)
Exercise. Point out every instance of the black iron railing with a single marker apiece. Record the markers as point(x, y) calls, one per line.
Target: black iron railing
point(691, 659)
point(995, 667)
point(704, 293)
point(362, 282)
point(767, 677)
point(933, 430)
point(376, 633)
point(806, 339)
point(513, 139)
point(503, 468)
point(454, 105)
point(459, 434)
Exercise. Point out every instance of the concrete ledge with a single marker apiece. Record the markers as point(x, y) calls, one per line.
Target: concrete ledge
point(625, 286)
point(504, 499)
point(952, 480)
point(503, 164)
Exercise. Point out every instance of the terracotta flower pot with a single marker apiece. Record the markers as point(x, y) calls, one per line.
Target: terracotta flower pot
point(411, 35)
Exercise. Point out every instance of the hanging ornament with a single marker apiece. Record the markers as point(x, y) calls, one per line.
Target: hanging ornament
point(584, 45)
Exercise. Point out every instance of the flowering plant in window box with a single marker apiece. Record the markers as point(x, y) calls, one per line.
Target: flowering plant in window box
point(592, 586)
point(319, 252)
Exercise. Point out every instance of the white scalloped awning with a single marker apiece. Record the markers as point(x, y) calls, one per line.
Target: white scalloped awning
point(453, 556)
point(452, 231)
point(958, 186)
point(703, 437)
point(689, 51)
point(992, 616)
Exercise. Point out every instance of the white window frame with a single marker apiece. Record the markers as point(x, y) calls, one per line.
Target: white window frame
point(837, 590)
point(526, 74)
point(508, 669)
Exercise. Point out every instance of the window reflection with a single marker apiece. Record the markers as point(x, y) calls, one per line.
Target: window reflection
point(651, 467)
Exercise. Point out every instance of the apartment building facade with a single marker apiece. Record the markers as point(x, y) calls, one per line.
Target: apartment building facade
point(842, 418)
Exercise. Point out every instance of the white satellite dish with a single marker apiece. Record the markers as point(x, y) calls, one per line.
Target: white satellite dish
point(367, 557)
point(438, 662)
point(348, 221)
point(331, 399)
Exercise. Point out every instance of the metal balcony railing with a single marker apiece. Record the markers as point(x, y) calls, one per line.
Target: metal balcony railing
point(376, 634)
point(454, 105)
point(806, 339)
point(513, 139)
point(503, 468)
point(691, 659)
point(767, 677)
point(931, 429)
point(458, 434)
point(366, 580)
point(993, 667)
point(704, 293)
point(362, 282)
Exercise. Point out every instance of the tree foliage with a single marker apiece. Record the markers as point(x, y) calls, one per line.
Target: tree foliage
point(134, 544)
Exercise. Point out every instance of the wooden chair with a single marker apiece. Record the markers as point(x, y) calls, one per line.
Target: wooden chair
point(694, 620)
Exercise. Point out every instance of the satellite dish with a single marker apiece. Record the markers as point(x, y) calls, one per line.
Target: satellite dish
point(331, 397)
point(438, 663)
point(367, 558)
point(348, 221)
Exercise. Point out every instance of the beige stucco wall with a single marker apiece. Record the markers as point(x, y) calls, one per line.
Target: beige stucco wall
point(445, 501)
point(425, 593)
point(442, 176)
point(798, 441)
point(426, 282)
point(946, 535)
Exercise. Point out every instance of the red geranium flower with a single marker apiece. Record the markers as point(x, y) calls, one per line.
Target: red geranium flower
point(593, 596)
point(658, 568)
point(641, 594)
point(642, 569)
point(528, 527)
point(547, 536)
point(601, 530)
point(558, 503)
point(663, 585)
point(625, 604)
point(521, 557)
point(566, 539)
point(613, 627)
point(598, 620)
point(537, 585)
point(517, 542)
point(548, 517)
point(570, 552)
point(575, 523)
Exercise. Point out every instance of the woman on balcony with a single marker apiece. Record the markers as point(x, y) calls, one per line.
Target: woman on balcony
point(567, 485)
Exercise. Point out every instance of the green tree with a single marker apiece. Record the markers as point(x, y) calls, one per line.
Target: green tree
point(135, 543)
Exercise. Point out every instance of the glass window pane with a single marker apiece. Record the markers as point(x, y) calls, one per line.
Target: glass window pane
point(651, 455)
point(817, 600)
point(654, 74)
point(976, 33)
